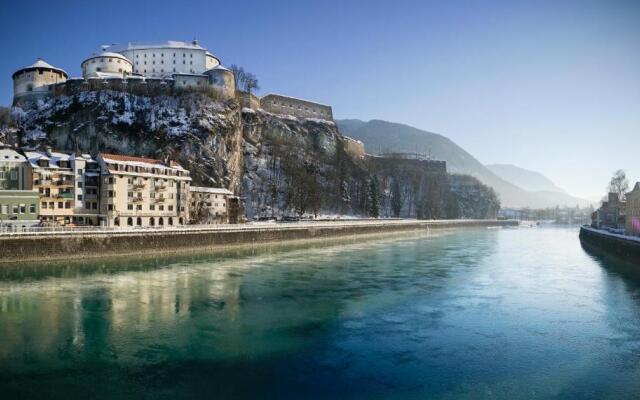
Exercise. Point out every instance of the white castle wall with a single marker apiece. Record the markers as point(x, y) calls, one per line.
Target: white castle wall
point(106, 63)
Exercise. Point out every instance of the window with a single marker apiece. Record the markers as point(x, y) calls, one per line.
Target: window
point(4, 209)
point(80, 197)
point(67, 204)
point(161, 208)
point(80, 185)
point(60, 204)
point(42, 205)
point(139, 207)
point(170, 208)
point(32, 208)
point(110, 207)
point(14, 209)
point(130, 207)
point(152, 207)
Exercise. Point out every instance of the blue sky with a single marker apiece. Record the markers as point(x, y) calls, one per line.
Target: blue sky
point(550, 86)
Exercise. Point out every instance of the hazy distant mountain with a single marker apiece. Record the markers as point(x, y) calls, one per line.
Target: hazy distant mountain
point(379, 135)
point(526, 179)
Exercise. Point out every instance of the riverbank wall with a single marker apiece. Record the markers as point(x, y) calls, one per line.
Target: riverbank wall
point(46, 246)
point(621, 245)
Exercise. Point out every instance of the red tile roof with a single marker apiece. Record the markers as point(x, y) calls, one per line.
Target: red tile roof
point(118, 157)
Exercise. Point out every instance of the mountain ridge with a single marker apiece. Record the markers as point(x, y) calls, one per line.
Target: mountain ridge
point(380, 136)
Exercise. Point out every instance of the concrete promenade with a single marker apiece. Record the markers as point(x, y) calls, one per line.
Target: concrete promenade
point(98, 242)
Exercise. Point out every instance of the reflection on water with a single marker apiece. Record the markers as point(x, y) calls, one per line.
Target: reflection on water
point(501, 313)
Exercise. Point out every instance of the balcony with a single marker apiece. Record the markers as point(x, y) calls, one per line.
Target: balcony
point(136, 199)
point(159, 200)
point(64, 182)
point(138, 185)
point(160, 187)
point(65, 195)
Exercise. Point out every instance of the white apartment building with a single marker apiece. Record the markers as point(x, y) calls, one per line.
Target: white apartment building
point(137, 191)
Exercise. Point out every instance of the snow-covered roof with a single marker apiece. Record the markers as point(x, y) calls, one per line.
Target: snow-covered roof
point(108, 54)
point(11, 155)
point(218, 67)
point(169, 44)
point(39, 64)
point(201, 189)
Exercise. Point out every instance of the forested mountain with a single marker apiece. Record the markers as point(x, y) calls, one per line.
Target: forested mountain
point(383, 136)
point(526, 179)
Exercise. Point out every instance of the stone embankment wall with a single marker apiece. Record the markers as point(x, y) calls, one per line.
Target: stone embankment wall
point(624, 246)
point(73, 245)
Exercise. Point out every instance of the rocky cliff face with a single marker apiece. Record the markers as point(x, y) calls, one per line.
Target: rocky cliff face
point(280, 165)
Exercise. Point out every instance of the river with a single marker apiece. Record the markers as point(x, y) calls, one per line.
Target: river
point(522, 313)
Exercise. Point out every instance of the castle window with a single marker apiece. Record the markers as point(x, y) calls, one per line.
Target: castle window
point(40, 72)
point(145, 55)
point(111, 60)
point(174, 70)
point(154, 54)
point(118, 61)
point(174, 61)
point(136, 56)
point(154, 62)
point(184, 62)
point(119, 69)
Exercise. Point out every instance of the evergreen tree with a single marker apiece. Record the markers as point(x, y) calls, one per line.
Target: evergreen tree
point(396, 198)
point(374, 197)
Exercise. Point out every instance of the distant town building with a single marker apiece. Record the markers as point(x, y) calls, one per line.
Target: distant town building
point(138, 191)
point(633, 210)
point(612, 213)
point(209, 205)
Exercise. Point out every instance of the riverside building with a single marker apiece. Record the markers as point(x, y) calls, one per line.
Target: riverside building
point(18, 203)
point(68, 186)
point(209, 205)
point(633, 211)
point(137, 191)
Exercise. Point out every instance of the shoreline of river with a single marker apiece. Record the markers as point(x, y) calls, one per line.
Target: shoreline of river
point(52, 246)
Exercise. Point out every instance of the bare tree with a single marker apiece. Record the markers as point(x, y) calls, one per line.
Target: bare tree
point(619, 184)
point(245, 80)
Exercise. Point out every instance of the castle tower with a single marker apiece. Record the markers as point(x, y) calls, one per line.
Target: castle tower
point(222, 79)
point(36, 81)
point(106, 65)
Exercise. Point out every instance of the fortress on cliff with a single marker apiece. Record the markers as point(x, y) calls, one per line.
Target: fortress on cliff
point(175, 64)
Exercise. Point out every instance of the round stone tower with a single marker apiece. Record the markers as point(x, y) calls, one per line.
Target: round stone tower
point(36, 81)
point(106, 65)
point(222, 79)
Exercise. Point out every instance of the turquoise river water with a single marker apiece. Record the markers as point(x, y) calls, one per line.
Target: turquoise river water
point(477, 314)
